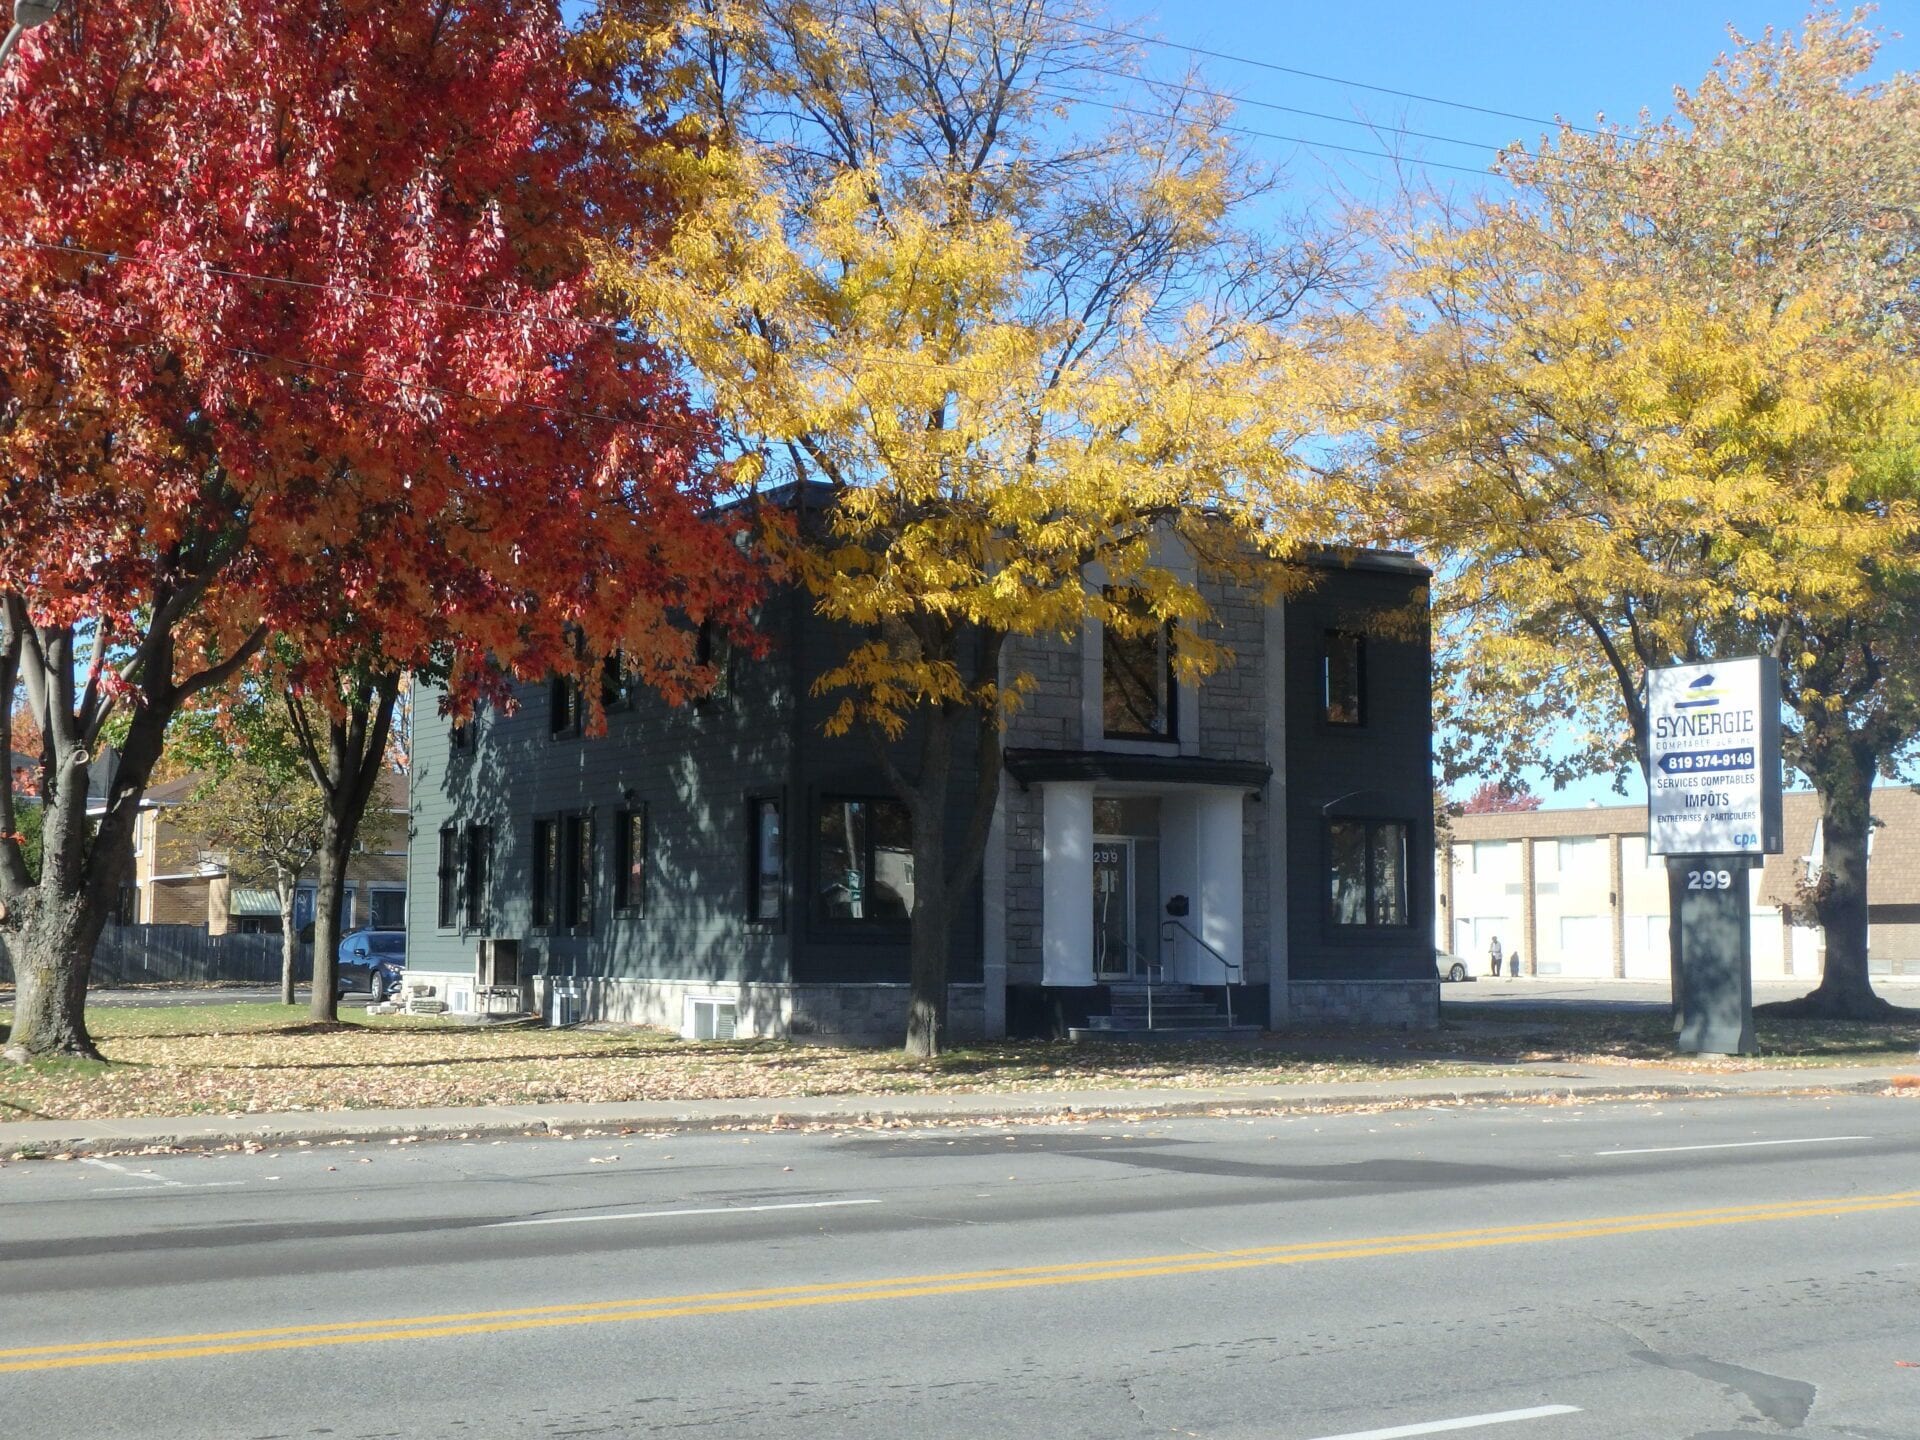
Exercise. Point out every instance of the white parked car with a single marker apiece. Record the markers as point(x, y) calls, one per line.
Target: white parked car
point(1451, 967)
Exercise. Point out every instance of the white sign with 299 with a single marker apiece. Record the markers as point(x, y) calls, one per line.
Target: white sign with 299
point(1709, 879)
point(1713, 761)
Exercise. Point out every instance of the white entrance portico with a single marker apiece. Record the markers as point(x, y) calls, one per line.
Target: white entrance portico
point(1122, 837)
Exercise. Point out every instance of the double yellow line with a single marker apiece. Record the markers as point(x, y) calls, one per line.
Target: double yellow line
point(906, 1287)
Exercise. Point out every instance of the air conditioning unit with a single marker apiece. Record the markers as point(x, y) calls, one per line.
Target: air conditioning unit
point(709, 1018)
point(499, 966)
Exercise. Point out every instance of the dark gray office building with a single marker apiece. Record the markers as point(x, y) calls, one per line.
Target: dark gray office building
point(724, 868)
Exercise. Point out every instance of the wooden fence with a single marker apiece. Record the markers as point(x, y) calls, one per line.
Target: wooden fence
point(184, 954)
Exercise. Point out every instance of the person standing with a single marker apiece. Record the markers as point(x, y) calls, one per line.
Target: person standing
point(1493, 956)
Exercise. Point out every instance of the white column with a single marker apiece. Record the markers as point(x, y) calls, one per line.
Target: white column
point(1066, 909)
point(1219, 828)
point(1179, 875)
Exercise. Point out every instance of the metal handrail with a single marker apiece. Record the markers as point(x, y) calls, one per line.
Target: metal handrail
point(1148, 971)
point(1230, 969)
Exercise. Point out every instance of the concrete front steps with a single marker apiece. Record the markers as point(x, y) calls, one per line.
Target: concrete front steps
point(1176, 1013)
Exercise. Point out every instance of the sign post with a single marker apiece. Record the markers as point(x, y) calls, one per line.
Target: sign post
point(1713, 805)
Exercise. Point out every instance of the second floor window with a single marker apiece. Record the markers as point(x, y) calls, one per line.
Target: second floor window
point(563, 707)
point(713, 648)
point(1343, 674)
point(1136, 675)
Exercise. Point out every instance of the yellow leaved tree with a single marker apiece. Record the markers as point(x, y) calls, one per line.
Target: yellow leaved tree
point(996, 339)
point(1661, 404)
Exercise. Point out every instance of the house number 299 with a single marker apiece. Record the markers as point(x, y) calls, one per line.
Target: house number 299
point(1709, 879)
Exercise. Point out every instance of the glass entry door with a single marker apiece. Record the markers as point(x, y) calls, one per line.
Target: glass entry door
point(1112, 906)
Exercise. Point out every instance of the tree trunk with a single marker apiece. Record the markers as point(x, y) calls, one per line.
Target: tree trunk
point(56, 922)
point(52, 957)
point(289, 942)
point(346, 754)
point(931, 939)
point(940, 880)
point(336, 844)
point(1844, 782)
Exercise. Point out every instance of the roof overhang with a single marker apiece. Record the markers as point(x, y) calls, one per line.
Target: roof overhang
point(1031, 767)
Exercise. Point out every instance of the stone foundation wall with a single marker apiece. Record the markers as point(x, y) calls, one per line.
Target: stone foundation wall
point(867, 1013)
point(1396, 1004)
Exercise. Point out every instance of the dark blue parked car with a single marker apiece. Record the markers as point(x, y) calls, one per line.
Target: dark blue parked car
point(372, 960)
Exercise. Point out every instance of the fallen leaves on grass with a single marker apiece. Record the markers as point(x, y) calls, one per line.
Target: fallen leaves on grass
point(243, 1060)
point(251, 1059)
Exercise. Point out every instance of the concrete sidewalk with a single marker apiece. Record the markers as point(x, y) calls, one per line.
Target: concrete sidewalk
point(1523, 1083)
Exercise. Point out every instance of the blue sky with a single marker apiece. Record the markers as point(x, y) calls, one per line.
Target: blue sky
point(1532, 59)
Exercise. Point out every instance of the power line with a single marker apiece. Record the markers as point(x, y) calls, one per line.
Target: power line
point(1124, 109)
point(1189, 88)
point(1328, 79)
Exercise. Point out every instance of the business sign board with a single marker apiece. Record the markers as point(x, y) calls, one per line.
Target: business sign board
point(1713, 758)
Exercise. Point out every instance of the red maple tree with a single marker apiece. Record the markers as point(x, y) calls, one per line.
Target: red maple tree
point(1495, 797)
point(298, 337)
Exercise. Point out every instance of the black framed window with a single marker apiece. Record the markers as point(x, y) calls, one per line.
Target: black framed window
point(1136, 674)
point(473, 888)
point(1343, 679)
point(460, 737)
point(563, 707)
point(713, 647)
point(766, 859)
point(578, 861)
point(1367, 865)
point(863, 860)
point(546, 873)
point(630, 859)
point(447, 912)
point(617, 684)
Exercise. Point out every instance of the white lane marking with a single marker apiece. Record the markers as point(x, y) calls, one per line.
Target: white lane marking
point(1735, 1145)
point(1465, 1422)
point(668, 1214)
point(157, 1181)
point(124, 1170)
point(153, 1190)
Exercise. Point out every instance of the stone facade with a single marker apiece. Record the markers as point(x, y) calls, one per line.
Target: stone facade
point(849, 1012)
point(1393, 1004)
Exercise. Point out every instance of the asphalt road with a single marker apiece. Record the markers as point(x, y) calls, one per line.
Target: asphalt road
point(1708, 1270)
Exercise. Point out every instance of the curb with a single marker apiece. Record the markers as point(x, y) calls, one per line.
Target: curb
point(818, 1112)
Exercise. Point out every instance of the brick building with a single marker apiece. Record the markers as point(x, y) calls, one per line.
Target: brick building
point(178, 880)
point(1576, 893)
